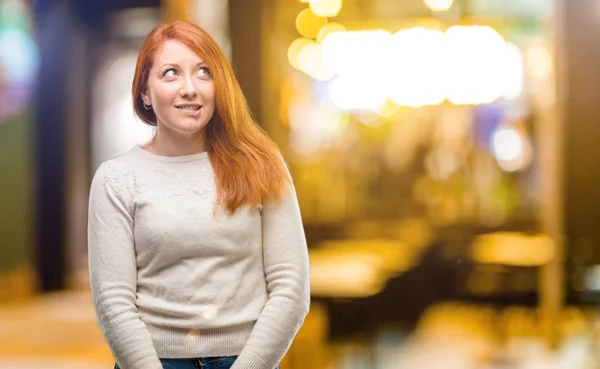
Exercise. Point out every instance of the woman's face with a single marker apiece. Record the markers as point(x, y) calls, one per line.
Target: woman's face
point(180, 90)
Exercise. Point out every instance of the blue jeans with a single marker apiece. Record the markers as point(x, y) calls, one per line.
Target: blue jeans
point(221, 362)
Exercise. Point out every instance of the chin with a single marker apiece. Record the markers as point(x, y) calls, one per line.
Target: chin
point(184, 127)
point(190, 130)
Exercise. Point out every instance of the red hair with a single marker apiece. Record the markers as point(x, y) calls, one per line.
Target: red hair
point(248, 166)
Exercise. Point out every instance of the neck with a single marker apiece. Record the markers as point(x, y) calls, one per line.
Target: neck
point(168, 145)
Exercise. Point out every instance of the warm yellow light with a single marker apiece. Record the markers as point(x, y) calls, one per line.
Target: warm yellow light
point(475, 64)
point(368, 118)
point(439, 5)
point(539, 61)
point(416, 67)
point(513, 71)
point(416, 70)
point(308, 23)
point(310, 60)
point(358, 268)
point(345, 274)
point(326, 8)
point(358, 51)
point(513, 249)
point(360, 61)
point(309, 56)
point(294, 51)
point(314, 126)
point(328, 29)
point(359, 94)
point(388, 109)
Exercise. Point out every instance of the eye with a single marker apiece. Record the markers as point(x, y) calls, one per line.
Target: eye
point(171, 72)
point(203, 71)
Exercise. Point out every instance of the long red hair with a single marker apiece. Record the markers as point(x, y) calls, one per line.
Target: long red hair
point(248, 166)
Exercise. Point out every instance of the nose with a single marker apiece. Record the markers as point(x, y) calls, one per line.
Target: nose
point(188, 89)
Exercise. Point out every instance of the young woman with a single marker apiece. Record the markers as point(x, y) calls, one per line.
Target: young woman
point(197, 253)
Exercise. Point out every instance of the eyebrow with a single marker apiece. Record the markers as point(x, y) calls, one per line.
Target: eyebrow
point(177, 65)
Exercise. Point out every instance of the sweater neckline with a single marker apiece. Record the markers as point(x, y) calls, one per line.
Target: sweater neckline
point(169, 159)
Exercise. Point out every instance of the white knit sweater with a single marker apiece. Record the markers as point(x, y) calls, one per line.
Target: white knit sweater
point(171, 279)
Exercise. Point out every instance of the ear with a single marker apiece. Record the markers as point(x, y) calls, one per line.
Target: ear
point(146, 97)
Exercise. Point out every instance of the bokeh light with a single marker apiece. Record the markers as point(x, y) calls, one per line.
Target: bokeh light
point(475, 59)
point(326, 8)
point(294, 51)
point(415, 73)
point(308, 23)
point(416, 67)
point(439, 5)
point(328, 29)
point(19, 57)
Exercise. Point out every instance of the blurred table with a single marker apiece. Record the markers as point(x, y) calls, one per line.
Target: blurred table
point(52, 331)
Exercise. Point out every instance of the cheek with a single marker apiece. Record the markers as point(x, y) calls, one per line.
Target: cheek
point(208, 92)
point(210, 100)
point(163, 93)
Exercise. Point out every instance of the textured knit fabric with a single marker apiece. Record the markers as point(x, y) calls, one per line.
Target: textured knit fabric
point(172, 278)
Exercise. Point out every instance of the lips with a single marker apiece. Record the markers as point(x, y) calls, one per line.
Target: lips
point(189, 107)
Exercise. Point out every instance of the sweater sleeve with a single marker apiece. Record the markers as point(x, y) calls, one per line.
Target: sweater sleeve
point(286, 267)
point(113, 271)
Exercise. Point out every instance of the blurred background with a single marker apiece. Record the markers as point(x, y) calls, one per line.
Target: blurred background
point(443, 154)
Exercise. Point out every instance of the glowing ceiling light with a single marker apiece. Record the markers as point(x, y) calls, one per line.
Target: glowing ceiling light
point(475, 64)
point(513, 71)
point(439, 5)
point(415, 73)
point(328, 29)
point(358, 51)
point(326, 8)
point(361, 80)
point(415, 67)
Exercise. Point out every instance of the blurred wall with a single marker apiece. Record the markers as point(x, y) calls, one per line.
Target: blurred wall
point(580, 97)
point(18, 61)
point(16, 182)
point(246, 24)
point(75, 37)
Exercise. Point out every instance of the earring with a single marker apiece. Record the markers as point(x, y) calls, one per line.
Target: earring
point(147, 107)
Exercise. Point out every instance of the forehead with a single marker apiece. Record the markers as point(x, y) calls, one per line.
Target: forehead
point(176, 52)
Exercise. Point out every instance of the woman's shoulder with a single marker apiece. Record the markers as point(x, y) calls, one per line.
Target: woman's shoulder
point(121, 166)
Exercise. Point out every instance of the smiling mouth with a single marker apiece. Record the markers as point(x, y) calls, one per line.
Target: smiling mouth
point(189, 107)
